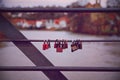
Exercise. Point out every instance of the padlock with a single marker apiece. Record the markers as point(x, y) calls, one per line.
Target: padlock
point(74, 46)
point(64, 44)
point(79, 44)
point(59, 47)
point(56, 44)
point(48, 42)
point(45, 45)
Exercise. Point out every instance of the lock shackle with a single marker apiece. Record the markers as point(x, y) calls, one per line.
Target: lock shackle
point(79, 41)
point(45, 41)
point(59, 43)
point(56, 41)
point(48, 41)
point(62, 41)
point(73, 42)
point(65, 41)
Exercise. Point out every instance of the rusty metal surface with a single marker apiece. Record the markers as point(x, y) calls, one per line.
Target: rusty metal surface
point(28, 49)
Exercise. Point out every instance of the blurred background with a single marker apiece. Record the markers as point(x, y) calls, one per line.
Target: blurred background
point(84, 26)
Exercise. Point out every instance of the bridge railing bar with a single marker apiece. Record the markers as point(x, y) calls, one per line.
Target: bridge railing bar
point(60, 10)
point(59, 68)
point(32, 40)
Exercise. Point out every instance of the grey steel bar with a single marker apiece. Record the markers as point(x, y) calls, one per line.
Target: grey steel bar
point(58, 68)
point(28, 49)
point(60, 10)
point(25, 40)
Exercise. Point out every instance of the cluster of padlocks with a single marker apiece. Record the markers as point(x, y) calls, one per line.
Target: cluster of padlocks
point(60, 45)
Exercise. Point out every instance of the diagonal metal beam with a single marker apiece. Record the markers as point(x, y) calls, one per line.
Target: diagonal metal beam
point(28, 49)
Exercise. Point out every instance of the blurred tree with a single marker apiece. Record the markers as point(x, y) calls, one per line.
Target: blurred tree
point(113, 3)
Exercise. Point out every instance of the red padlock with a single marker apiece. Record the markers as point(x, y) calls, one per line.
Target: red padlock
point(59, 48)
point(56, 44)
point(45, 45)
point(48, 42)
point(66, 44)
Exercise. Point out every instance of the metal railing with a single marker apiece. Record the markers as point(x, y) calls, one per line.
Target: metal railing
point(59, 68)
point(26, 40)
point(60, 10)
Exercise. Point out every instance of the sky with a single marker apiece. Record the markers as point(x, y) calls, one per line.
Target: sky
point(31, 3)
